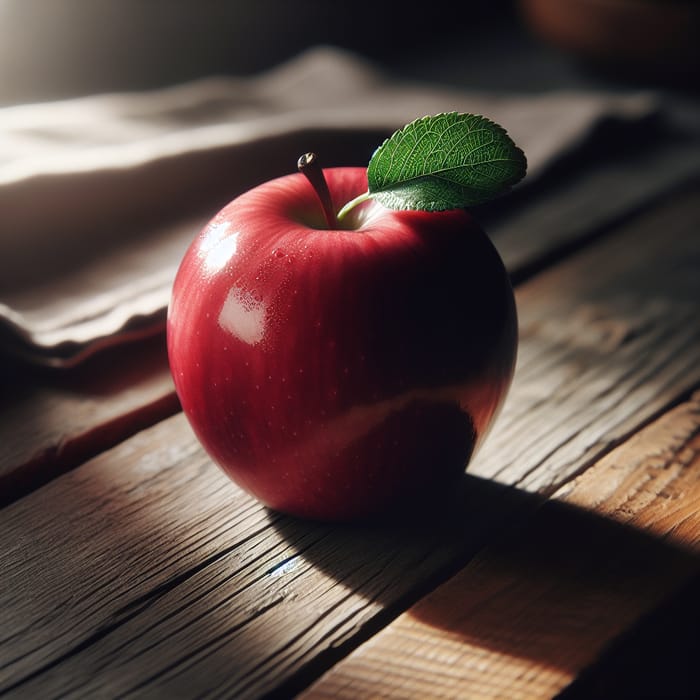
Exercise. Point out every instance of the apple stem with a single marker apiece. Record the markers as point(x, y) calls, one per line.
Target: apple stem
point(308, 166)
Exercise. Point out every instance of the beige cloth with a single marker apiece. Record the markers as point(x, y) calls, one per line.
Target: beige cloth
point(100, 196)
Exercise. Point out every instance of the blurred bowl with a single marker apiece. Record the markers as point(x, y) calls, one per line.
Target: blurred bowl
point(649, 39)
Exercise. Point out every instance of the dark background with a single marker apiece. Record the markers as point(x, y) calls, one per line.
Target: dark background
point(64, 48)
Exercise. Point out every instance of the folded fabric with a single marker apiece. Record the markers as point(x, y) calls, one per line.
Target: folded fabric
point(101, 195)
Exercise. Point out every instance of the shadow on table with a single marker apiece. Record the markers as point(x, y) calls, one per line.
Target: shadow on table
point(655, 658)
point(554, 586)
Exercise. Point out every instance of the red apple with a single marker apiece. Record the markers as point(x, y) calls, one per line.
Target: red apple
point(338, 373)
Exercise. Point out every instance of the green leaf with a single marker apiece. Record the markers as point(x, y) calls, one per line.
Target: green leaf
point(446, 161)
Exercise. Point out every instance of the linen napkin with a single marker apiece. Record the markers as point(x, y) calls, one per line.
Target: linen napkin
point(100, 196)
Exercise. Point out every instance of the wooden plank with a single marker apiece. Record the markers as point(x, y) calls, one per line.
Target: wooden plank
point(608, 339)
point(52, 421)
point(533, 610)
point(151, 575)
point(148, 571)
point(573, 203)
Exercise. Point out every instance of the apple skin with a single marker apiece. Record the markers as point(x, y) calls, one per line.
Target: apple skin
point(339, 374)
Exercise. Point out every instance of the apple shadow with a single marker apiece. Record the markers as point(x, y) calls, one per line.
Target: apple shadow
point(546, 582)
point(655, 658)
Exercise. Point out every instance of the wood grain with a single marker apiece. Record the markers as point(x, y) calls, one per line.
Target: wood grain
point(53, 421)
point(608, 339)
point(145, 569)
point(144, 572)
point(534, 609)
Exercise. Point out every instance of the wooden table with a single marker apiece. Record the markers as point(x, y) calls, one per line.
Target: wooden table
point(568, 563)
